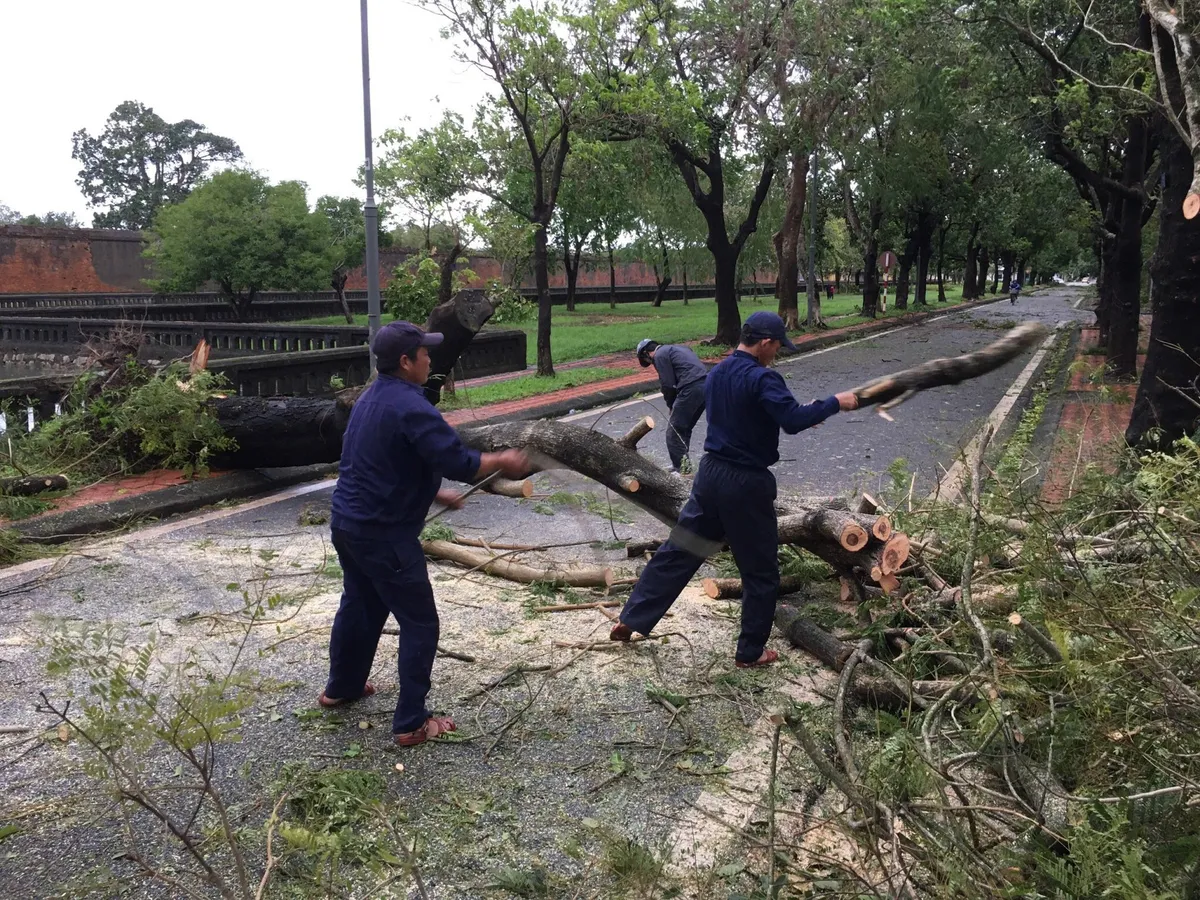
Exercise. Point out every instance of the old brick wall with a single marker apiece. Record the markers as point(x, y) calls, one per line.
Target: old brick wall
point(37, 260)
point(70, 260)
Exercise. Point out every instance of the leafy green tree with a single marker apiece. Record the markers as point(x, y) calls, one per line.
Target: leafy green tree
point(141, 163)
point(529, 52)
point(244, 234)
point(686, 76)
point(52, 220)
point(838, 253)
point(8, 215)
point(348, 241)
point(413, 290)
point(424, 174)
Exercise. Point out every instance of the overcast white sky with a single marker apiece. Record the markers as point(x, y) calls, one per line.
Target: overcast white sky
point(283, 78)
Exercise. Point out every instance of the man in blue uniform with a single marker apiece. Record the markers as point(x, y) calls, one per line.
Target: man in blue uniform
point(733, 498)
point(395, 451)
point(681, 375)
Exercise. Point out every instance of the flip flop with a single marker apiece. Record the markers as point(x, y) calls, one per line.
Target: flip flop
point(768, 657)
point(434, 727)
point(331, 702)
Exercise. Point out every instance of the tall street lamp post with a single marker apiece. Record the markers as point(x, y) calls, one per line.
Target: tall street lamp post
point(370, 212)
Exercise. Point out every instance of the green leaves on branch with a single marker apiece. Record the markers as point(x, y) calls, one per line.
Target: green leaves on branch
point(244, 234)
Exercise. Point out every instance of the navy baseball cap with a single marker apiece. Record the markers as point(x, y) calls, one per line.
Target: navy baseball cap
point(397, 339)
point(763, 324)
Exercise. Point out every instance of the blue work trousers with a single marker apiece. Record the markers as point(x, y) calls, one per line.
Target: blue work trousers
point(729, 503)
point(685, 413)
point(380, 578)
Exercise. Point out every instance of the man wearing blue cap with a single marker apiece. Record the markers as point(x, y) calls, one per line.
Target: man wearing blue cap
point(395, 451)
point(681, 375)
point(733, 497)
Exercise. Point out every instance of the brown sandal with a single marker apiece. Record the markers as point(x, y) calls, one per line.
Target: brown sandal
point(621, 632)
point(434, 727)
point(331, 702)
point(768, 657)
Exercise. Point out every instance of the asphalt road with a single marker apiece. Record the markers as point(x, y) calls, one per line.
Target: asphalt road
point(853, 451)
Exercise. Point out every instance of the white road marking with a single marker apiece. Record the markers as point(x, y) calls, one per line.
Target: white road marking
point(144, 534)
point(950, 485)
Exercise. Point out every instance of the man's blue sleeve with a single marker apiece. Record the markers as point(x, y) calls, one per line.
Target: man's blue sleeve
point(439, 444)
point(789, 415)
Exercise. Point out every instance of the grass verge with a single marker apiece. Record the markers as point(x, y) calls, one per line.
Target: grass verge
point(525, 386)
point(593, 329)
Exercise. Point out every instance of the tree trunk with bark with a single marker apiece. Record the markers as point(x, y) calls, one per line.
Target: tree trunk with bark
point(787, 242)
point(708, 194)
point(996, 272)
point(906, 261)
point(941, 262)
point(458, 320)
point(571, 272)
point(662, 281)
point(1167, 405)
point(925, 226)
point(541, 274)
point(446, 273)
point(1125, 308)
point(612, 279)
point(981, 283)
point(338, 283)
point(970, 276)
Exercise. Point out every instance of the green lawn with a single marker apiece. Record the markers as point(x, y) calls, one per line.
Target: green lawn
point(594, 329)
point(524, 386)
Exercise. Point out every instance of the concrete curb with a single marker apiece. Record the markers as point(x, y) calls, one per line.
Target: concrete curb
point(58, 528)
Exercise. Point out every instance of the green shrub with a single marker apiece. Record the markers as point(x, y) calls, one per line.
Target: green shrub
point(511, 307)
point(412, 293)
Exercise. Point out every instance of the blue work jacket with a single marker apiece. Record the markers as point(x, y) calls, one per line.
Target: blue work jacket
point(395, 451)
point(747, 405)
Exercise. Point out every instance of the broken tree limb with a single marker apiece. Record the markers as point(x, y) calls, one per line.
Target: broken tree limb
point(1042, 641)
point(458, 320)
point(634, 550)
point(636, 433)
point(28, 485)
point(891, 390)
point(591, 454)
point(812, 638)
point(867, 504)
point(731, 588)
point(515, 571)
point(883, 694)
point(505, 487)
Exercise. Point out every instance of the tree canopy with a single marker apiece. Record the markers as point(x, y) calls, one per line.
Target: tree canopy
point(245, 235)
point(140, 163)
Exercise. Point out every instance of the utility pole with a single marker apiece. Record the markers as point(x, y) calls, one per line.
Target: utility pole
point(370, 212)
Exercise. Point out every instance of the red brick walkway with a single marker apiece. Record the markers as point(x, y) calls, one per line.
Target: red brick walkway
point(1091, 428)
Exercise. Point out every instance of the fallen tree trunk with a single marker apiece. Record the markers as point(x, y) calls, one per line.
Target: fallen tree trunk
point(515, 571)
point(892, 390)
point(27, 485)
